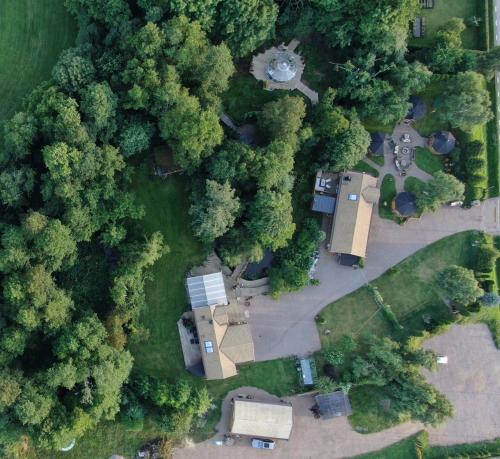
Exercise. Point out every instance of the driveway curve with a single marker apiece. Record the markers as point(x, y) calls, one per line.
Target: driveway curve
point(286, 326)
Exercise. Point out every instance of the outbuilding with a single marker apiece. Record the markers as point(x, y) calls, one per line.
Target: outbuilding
point(406, 204)
point(334, 404)
point(418, 108)
point(442, 142)
point(261, 419)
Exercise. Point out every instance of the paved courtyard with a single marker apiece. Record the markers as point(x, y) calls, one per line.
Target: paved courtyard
point(286, 326)
point(471, 380)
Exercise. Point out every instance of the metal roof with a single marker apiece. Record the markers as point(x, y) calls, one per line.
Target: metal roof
point(307, 372)
point(324, 204)
point(442, 142)
point(282, 67)
point(206, 290)
point(333, 405)
point(267, 420)
point(406, 204)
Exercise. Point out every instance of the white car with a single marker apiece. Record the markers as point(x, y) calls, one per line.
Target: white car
point(443, 359)
point(260, 443)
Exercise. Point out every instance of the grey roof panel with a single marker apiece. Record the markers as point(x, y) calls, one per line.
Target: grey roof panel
point(206, 290)
point(333, 405)
point(324, 204)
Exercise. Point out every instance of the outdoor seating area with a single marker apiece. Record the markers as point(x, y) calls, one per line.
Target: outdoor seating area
point(404, 156)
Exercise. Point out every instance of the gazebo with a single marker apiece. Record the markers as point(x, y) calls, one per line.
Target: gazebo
point(381, 144)
point(442, 142)
point(418, 108)
point(281, 68)
point(405, 204)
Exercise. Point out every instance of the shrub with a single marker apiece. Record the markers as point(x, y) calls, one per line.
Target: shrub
point(325, 385)
point(334, 357)
point(486, 257)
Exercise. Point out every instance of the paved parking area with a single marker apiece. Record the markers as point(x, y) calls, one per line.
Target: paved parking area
point(286, 326)
point(471, 380)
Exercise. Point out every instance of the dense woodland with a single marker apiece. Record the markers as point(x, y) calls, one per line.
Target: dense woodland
point(151, 72)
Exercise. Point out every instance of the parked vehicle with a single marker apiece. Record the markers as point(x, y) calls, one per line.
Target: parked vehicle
point(260, 443)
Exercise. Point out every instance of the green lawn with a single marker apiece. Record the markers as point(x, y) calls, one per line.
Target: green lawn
point(387, 195)
point(32, 34)
point(443, 11)
point(413, 184)
point(246, 95)
point(405, 449)
point(363, 166)
point(428, 161)
point(409, 287)
point(493, 151)
point(166, 203)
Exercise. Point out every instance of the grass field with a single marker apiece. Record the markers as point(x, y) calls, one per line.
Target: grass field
point(363, 166)
point(443, 11)
point(32, 34)
point(427, 161)
point(387, 194)
point(406, 449)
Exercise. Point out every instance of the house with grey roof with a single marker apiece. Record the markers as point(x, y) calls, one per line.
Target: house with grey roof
point(333, 405)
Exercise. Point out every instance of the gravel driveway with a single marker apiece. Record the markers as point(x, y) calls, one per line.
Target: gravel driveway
point(471, 381)
point(286, 327)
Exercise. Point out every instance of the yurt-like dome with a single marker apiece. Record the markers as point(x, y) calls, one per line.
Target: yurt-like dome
point(282, 67)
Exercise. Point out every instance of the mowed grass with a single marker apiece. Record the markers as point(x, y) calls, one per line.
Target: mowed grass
point(387, 195)
point(410, 288)
point(32, 35)
point(443, 11)
point(428, 161)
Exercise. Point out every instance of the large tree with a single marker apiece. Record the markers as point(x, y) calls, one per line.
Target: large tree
point(441, 189)
point(447, 52)
point(215, 211)
point(459, 285)
point(466, 101)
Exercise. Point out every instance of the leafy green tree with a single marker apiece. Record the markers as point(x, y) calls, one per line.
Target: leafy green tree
point(192, 132)
point(489, 61)
point(290, 270)
point(273, 165)
point(466, 101)
point(33, 406)
point(109, 12)
point(215, 212)
point(441, 189)
point(19, 134)
point(16, 185)
point(447, 51)
point(74, 70)
point(270, 220)
point(135, 138)
point(55, 246)
point(347, 147)
point(246, 24)
point(325, 385)
point(98, 105)
point(459, 285)
point(233, 162)
point(282, 119)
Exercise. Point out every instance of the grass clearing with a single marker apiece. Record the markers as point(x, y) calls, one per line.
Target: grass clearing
point(492, 147)
point(246, 96)
point(428, 161)
point(380, 160)
point(363, 166)
point(32, 34)
point(387, 195)
point(443, 11)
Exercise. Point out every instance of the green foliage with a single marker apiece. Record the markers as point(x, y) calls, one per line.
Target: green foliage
point(334, 357)
point(441, 189)
point(325, 385)
point(459, 285)
point(74, 70)
point(246, 24)
point(109, 12)
point(466, 102)
point(447, 52)
point(215, 211)
point(385, 363)
point(290, 271)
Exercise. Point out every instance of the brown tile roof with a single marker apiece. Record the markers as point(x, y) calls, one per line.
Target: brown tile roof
point(222, 344)
point(351, 223)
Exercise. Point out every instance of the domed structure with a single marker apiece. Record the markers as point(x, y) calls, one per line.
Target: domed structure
point(442, 142)
point(406, 205)
point(282, 67)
